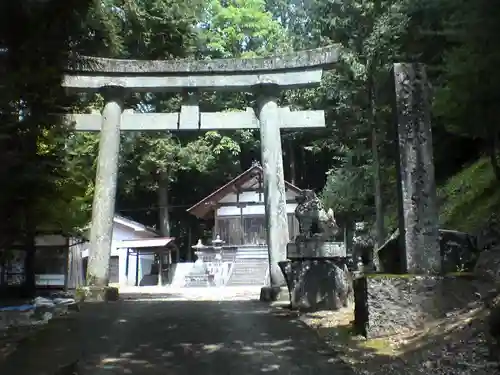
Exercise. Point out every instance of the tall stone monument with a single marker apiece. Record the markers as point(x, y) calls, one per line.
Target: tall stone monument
point(265, 77)
point(388, 303)
point(418, 217)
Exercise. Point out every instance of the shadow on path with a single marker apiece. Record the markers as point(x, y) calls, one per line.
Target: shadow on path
point(175, 337)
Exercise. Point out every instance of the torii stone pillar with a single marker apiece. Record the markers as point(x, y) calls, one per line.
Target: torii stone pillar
point(263, 76)
point(274, 181)
point(103, 206)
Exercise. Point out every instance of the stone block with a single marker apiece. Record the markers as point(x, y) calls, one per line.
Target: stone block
point(313, 248)
point(273, 294)
point(98, 294)
point(488, 265)
point(189, 117)
point(317, 284)
point(458, 252)
point(390, 304)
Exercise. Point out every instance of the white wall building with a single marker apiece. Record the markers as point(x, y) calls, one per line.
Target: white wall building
point(127, 265)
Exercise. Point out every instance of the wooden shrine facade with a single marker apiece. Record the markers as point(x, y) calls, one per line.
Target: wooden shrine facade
point(238, 209)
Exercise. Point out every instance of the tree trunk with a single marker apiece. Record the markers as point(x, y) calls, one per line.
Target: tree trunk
point(29, 260)
point(163, 203)
point(291, 160)
point(379, 206)
point(30, 222)
point(163, 186)
point(492, 153)
point(303, 168)
point(348, 239)
point(190, 242)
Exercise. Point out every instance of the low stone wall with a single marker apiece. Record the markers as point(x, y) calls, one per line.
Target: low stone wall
point(390, 304)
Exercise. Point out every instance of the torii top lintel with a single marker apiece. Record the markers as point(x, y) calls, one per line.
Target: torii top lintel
point(295, 70)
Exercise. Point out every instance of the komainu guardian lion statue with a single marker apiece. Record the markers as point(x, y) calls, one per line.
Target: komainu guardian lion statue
point(314, 220)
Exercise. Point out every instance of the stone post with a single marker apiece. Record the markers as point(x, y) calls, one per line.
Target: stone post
point(416, 170)
point(274, 181)
point(103, 207)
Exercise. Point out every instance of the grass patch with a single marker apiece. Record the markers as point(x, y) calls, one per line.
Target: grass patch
point(468, 198)
point(380, 346)
point(342, 336)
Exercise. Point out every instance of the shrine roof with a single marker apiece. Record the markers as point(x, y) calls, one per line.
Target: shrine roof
point(147, 242)
point(203, 208)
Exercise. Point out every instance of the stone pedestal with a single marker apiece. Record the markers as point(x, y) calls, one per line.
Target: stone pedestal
point(319, 284)
point(317, 275)
point(390, 304)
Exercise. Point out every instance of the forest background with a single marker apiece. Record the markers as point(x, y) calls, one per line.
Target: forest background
point(47, 171)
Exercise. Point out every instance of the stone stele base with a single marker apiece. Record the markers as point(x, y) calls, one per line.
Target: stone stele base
point(274, 293)
point(390, 304)
point(98, 294)
point(319, 284)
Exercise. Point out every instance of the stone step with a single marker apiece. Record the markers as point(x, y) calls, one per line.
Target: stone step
point(250, 268)
point(247, 267)
point(252, 271)
point(247, 283)
point(196, 284)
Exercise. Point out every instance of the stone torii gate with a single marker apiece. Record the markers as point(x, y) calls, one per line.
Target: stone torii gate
point(265, 77)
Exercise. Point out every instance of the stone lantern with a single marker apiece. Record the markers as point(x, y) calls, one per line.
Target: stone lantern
point(217, 246)
point(198, 252)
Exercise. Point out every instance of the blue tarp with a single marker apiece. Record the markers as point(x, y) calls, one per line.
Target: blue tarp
point(17, 308)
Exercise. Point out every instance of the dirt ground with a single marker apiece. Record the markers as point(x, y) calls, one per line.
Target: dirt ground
point(455, 345)
point(216, 331)
point(174, 334)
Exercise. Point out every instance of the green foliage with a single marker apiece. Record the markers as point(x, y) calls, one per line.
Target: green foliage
point(36, 188)
point(241, 28)
point(153, 29)
point(469, 93)
point(349, 189)
point(366, 32)
point(455, 39)
point(150, 156)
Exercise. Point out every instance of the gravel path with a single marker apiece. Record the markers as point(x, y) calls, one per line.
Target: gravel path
point(169, 335)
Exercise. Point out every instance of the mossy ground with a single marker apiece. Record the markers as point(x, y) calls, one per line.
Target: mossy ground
point(469, 197)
